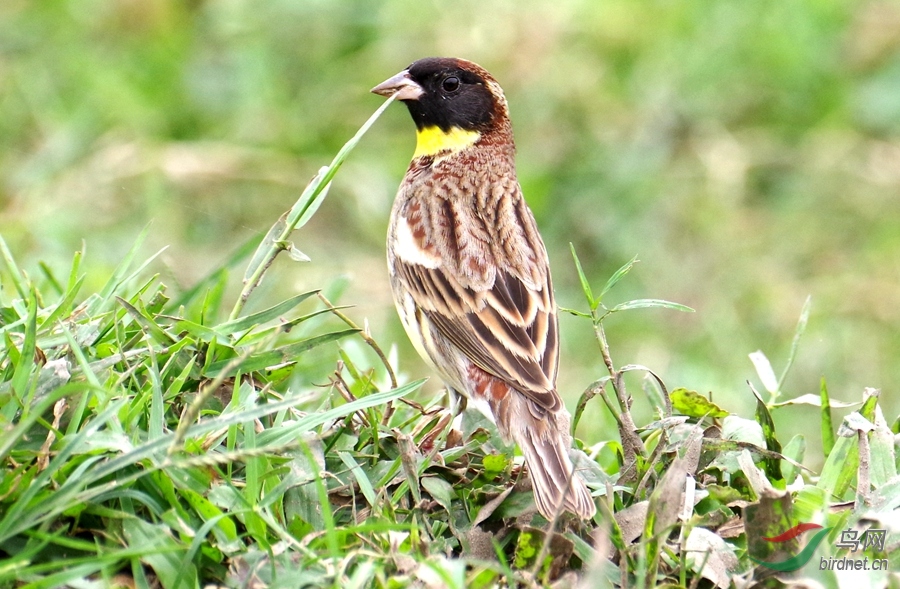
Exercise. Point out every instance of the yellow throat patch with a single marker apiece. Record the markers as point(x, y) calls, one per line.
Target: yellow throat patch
point(434, 140)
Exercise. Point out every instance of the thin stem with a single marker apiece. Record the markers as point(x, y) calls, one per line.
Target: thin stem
point(604, 347)
point(632, 445)
point(364, 333)
point(308, 201)
point(255, 279)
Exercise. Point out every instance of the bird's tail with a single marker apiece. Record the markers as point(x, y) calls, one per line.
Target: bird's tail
point(545, 442)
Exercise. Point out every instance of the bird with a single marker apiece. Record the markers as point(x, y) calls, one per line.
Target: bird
point(470, 274)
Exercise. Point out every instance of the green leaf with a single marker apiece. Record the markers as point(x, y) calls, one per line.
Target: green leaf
point(282, 326)
point(14, 434)
point(883, 464)
point(200, 332)
point(156, 418)
point(843, 461)
point(359, 474)
point(528, 546)
point(494, 464)
point(574, 312)
point(840, 468)
point(266, 247)
point(147, 323)
point(250, 321)
point(826, 425)
point(76, 266)
point(810, 504)
point(693, 404)
point(650, 303)
point(764, 418)
point(207, 510)
point(120, 275)
point(723, 495)
point(315, 193)
point(300, 213)
point(302, 500)
point(177, 385)
point(617, 276)
point(585, 285)
point(19, 280)
point(795, 450)
point(594, 389)
point(294, 253)
point(311, 200)
point(27, 511)
point(289, 432)
point(163, 553)
point(795, 343)
point(766, 518)
point(288, 353)
point(64, 306)
point(743, 430)
point(870, 402)
point(440, 490)
point(26, 368)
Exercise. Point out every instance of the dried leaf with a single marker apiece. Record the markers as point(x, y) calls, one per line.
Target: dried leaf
point(711, 556)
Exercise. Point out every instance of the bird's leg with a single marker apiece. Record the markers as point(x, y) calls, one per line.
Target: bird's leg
point(457, 407)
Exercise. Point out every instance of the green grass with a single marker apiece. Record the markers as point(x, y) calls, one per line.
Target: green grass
point(158, 438)
point(745, 151)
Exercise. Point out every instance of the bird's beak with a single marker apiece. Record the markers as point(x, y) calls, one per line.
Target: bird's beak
point(402, 85)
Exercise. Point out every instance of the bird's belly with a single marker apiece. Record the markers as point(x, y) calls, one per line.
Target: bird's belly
point(441, 355)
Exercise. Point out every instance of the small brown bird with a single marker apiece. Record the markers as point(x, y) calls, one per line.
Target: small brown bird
point(469, 270)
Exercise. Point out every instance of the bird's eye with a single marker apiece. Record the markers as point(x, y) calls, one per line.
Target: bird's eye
point(450, 84)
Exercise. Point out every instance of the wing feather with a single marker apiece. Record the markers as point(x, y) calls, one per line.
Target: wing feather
point(470, 256)
point(508, 329)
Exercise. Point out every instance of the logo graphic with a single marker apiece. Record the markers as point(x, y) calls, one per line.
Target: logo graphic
point(795, 562)
point(851, 540)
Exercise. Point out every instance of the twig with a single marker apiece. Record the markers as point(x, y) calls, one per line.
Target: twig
point(604, 346)
point(631, 442)
point(364, 333)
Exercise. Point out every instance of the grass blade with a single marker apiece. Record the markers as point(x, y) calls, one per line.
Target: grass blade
point(650, 304)
point(827, 426)
point(299, 214)
point(230, 327)
point(795, 343)
point(618, 275)
point(17, 277)
point(585, 285)
point(278, 356)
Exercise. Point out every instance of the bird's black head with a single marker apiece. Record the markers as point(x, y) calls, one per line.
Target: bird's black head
point(448, 93)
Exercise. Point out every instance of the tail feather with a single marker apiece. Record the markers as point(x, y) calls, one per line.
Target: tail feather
point(543, 436)
point(552, 475)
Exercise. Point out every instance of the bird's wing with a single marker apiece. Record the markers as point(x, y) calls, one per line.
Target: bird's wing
point(485, 285)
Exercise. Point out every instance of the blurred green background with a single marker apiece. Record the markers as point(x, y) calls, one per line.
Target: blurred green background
point(748, 152)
